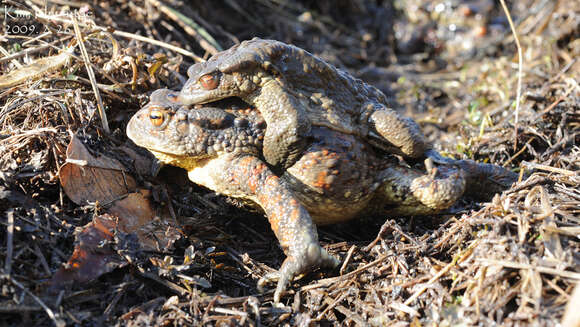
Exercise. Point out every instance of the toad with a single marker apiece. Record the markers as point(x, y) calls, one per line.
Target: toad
point(338, 176)
point(296, 91)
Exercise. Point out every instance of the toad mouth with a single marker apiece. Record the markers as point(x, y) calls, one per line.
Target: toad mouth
point(228, 104)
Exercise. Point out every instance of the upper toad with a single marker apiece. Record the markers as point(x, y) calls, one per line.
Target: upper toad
point(295, 91)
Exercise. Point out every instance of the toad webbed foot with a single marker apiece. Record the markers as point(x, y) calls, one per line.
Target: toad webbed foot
point(294, 265)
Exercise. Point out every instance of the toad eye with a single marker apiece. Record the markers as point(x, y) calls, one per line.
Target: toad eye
point(156, 117)
point(209, 81)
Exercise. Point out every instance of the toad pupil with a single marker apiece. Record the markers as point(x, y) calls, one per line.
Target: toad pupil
point(209, 82)
point(156, 117)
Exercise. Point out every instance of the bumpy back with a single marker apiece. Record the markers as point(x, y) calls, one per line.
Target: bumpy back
point(298, 70)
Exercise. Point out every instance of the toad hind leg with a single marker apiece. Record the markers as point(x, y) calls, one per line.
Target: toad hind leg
point(484, 180)
point(289, 220)
point(407, 191)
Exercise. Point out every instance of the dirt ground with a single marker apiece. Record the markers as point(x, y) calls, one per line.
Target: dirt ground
point(89, 237)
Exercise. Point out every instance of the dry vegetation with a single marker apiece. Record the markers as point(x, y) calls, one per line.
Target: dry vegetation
point(511, 261)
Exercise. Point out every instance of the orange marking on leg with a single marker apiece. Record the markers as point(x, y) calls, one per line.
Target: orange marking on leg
point(321, 180)
point(253, 184)
point(295, 215)
point(272, 181)
point(274, 223)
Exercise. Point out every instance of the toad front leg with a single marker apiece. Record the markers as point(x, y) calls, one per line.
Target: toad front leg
point(251, 178)
point(394, 133)
point(288, 126)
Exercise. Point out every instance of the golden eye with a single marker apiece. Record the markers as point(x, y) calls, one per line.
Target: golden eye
point(209, 81)
point(156, 117)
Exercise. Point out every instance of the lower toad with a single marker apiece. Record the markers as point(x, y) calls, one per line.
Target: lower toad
point(338, 177)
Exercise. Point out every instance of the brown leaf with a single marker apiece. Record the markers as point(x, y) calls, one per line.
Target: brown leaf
point(86, 178)
point(90, 259)
point(132, 215)
point(136, 215)
point(141, 163)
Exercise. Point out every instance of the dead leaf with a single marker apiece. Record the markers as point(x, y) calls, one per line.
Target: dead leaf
point(141, 163)
point(86, 178)
point(90, 258)
point(136, 215)
point(140, 229)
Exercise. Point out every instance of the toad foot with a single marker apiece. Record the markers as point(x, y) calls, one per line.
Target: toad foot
point(314, 256)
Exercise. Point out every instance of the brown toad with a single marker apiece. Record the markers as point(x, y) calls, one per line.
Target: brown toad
point(337, 177)
point(296, 91)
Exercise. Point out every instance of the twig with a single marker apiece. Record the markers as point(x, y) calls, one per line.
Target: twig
point(42, 259)
point(20, 309)
point(31, 132)
point(158, 43)
point(331, 306)
point(333, 280)
point(390, 224)
point(440, 273)
point(540, 269)
point(347, 259)
point(9, 241)
point(405, 308)
point(234, 255)
point(36, 69)
point(560, 99)
point(171, 286)
point(141, 38)
point(532, 165)
point(118, 294)
point(192, 28)
point(356, 318)
point(571, 315)
point(57, 320)
point(505, 164)
point(230, 312)
point(7, 54)
point(558, 289)
point(520, 70)
point(92, 78)
point(253, 232)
